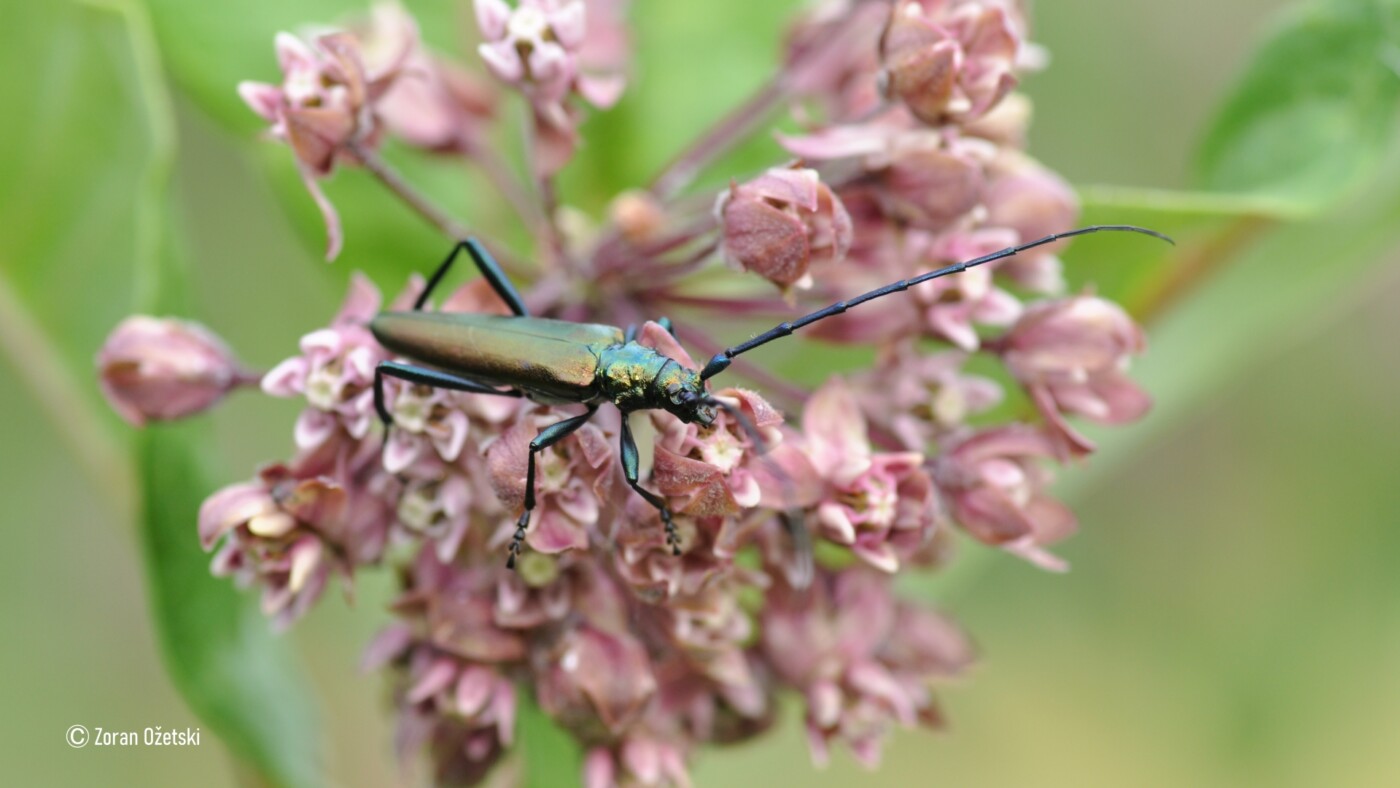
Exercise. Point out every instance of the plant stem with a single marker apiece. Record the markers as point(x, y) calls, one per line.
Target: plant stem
point(500, 176)
point(1196, 264)
point(424, 207)
point(416, 200)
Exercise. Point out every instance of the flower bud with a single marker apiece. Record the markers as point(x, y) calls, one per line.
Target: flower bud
point(951, 61)
point(995, 481)
point(163, 369)
point(1071, 356)
point(781, 222)
point(929, 185)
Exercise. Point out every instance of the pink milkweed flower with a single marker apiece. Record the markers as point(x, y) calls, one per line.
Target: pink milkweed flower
point(596, 674)
point(274, 532)
point(832, 56)
point(995, 481)
point(715, 470)
point(881, 505)
point(574, 480)
point(951, 60)
point(454, 607)
point(288, 530)
point(423, 418)
point(537, 46)
point(327, 97)
point(436, 504)
point(862, 659)
point(438, 105)
point(934, 180)
point(549, 50)
point(780, 223)
point(638, 760)
point(919, 397)
point(1072, 355)
point(542, 591)
point(335, 372)
point(709, 631)
point(712, 470)
point(463, 710)
point(159, 369)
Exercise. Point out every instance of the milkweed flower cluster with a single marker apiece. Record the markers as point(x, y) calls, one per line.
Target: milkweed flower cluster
point(795, 509)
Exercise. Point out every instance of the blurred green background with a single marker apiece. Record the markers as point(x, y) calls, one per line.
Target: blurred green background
point(1233, 616)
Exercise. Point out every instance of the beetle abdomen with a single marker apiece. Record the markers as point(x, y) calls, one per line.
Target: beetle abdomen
point(554, 358)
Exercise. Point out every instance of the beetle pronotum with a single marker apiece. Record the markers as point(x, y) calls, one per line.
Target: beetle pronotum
point(555, 361)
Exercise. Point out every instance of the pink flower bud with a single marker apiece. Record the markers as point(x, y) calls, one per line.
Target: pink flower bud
point(1072, 355)
point(327, 97)
point(929, 184)
point(950, 60)
point(165, 369)
point(781, 222)
point(995, 483)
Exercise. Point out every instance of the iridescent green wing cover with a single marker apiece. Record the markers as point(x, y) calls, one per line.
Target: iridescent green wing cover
point(554, 358)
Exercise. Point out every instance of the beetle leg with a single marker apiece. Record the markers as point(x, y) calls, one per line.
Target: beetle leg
point(665, 322)
point(490, 270)
point(630, 462)
point(548, 437)
point(630, 334)
point(427, 377)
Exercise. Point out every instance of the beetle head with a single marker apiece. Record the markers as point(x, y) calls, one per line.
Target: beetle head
point(685, 397)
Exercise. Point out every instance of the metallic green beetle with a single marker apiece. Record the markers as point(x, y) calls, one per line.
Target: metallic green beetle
point(555, 361)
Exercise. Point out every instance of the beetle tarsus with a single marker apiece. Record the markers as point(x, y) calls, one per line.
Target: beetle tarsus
point(673, 536)
point(517, 542)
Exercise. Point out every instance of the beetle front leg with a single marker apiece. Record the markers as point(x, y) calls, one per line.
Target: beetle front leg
point(548, 437)
point(427, 377)
point(630, 462)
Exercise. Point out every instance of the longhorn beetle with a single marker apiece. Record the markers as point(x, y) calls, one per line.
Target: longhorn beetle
point(556, 361)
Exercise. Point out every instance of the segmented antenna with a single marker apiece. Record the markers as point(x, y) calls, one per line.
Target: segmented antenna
point(722, 359)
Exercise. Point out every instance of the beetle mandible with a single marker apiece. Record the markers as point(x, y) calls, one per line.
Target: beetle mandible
point(556, 361)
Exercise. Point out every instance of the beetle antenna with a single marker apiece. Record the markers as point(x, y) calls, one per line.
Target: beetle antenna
point(722, 359)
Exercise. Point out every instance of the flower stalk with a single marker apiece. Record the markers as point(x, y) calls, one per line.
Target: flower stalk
point(648, 641)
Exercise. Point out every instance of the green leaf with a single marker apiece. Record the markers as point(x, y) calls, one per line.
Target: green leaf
point(217, 646)
point(104, 72)
point(1315, 111)
point(1145, 275)
point(548, 754)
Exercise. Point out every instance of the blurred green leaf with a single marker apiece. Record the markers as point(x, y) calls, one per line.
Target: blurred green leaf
point(65, 191)
point(548, 754)
point(216, 644)
point(1145, 275)
point(1315, 111)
